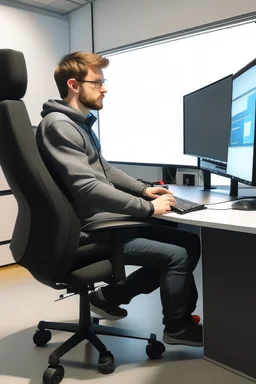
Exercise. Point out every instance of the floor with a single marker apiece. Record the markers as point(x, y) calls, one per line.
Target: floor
point(25, 301)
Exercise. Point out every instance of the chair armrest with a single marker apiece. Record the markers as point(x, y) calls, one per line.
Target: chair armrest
point(113, 233)
point(113, 224)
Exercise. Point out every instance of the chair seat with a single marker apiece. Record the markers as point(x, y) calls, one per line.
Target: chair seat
point(94, 273)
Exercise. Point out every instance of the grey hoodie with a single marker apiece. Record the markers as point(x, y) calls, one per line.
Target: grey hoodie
point(71, 151)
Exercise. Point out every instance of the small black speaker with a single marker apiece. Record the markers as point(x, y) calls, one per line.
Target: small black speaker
point(188, 179)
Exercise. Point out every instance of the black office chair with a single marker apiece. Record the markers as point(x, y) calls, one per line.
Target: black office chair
point(47, 230)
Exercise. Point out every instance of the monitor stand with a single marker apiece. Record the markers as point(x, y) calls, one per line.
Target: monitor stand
point(233, 191)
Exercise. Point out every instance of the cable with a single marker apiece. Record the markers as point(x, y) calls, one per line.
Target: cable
point(231, 201)
point(220, 202)
point(220, 209)
point(170, 175)
point(201, 177)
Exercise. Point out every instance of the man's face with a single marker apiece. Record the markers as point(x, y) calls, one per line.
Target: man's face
point(89, 95)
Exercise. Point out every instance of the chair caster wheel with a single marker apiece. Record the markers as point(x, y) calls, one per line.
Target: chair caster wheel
point(53, 375)
point(155, 350)
point(106, 363)
point(41, 337)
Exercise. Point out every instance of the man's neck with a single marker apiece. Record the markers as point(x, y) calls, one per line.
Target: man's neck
point(77, 105)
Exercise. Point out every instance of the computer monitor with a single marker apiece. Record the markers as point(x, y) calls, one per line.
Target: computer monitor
point(241, 162)
point(207, 119)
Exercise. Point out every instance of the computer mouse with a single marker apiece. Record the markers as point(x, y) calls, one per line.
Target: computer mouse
point(245, 205)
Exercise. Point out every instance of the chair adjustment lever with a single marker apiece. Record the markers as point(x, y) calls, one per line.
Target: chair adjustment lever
point(66, 296)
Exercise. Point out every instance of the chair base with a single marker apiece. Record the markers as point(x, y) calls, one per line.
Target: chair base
point(87, 329)
point(87, 332)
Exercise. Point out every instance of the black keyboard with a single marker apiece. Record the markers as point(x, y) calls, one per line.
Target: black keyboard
point(185, 206)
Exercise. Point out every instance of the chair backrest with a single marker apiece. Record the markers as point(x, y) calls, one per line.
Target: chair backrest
point(47, 228)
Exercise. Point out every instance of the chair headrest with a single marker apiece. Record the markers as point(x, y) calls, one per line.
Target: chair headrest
point(13, 75)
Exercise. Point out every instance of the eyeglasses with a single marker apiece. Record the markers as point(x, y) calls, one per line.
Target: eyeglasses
point(97, 83)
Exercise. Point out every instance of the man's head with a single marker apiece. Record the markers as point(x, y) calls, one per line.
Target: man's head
point(80, 80)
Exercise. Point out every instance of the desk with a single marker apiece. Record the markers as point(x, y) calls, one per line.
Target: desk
point(229, 279)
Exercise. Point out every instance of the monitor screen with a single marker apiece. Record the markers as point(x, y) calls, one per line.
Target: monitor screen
point(207, 119)
point(241, 151)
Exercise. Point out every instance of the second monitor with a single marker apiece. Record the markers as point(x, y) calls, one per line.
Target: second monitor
point(207, 119)
point(241, 163)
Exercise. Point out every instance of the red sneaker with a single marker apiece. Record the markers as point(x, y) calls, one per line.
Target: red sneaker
point(196, 319)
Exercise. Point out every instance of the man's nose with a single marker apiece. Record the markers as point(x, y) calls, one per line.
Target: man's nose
point(103, 88)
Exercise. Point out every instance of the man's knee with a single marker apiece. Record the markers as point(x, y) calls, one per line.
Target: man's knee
point(180, 259)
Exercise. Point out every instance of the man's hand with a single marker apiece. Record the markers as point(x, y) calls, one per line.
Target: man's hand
point(163, 204)
point(155, 192)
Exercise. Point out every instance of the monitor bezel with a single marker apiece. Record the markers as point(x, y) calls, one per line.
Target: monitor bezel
point(199, 156)
point(232, 177)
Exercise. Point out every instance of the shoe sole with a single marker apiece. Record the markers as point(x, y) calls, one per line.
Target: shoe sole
point(172, 341)
point(103, 314)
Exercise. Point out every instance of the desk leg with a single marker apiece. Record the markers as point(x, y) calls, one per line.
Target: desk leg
point(229, 298)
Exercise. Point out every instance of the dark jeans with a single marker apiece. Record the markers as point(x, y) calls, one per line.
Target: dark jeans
point(168, 257)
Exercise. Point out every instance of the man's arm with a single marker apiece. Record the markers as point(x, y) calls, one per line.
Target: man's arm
point(60, 146)
point(123, 181)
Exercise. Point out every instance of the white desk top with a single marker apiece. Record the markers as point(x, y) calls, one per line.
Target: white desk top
point(233, 220)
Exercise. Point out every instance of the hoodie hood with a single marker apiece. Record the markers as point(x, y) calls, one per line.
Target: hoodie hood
point(63, 107)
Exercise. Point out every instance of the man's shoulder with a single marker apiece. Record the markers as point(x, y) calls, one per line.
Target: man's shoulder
point(56, 121)
point(55, 117)
point(57, 124)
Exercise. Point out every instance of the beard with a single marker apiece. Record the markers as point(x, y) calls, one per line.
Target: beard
point(90, 103)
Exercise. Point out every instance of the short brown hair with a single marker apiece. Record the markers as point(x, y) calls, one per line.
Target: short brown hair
point(75, 65)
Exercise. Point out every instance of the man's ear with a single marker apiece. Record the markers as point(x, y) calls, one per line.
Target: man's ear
point(73, 85)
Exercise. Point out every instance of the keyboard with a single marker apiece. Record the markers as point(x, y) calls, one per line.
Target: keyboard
point(185, 206)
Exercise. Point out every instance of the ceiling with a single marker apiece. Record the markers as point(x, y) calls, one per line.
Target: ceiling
point(61, 7)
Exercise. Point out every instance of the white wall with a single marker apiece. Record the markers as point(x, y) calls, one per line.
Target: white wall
point(80, 30)
point(43, 40)
point(120, 22)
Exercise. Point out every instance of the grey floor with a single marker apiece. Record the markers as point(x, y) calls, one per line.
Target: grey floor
point(24, 302)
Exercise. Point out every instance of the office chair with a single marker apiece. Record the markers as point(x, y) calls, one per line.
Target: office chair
point(47, 230)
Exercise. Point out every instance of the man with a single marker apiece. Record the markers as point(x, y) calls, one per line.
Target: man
point(72, 153)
